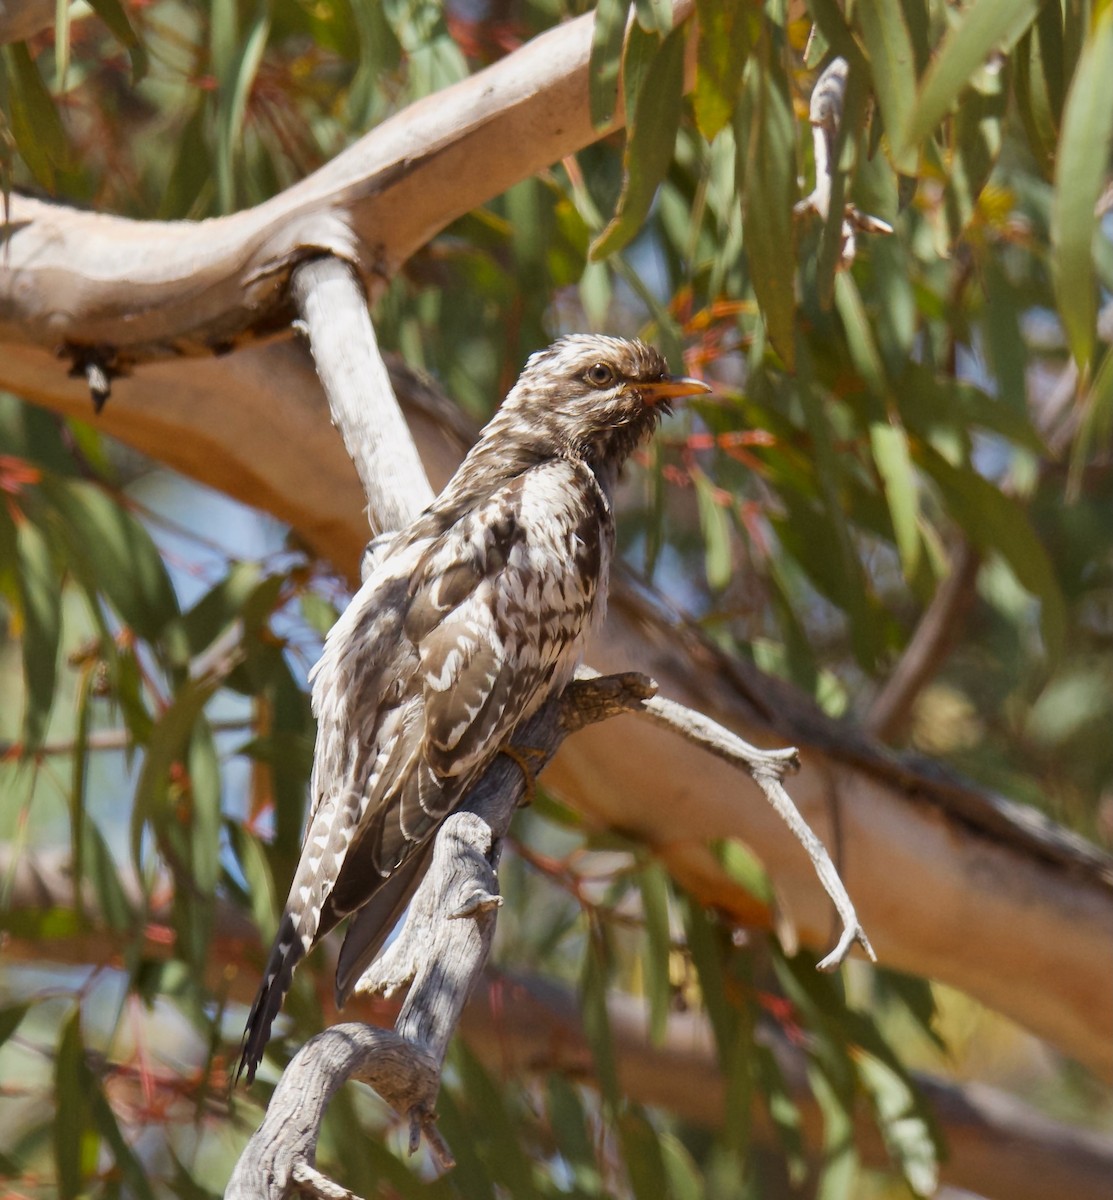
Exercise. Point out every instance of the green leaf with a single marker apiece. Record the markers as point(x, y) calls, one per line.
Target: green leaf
point(726, 32)
point(893, 69)
point(903, 1115)
point(985, 26)
point(114, 908)
point(782, 1109)
point(11, 1015)
point(168, 743)
point(134, 1174)
point(605, 64)
point(641, 1152)
point(113, 14)
point(217, 609)
point(61, 43)
point(839, 1163)
point(768, 177)
point(657, 950)
point(652, 126)
point(891, 455)
point(654, 16)
point(235, 86)
point(998, 524)
point(260, 893)
point(1095, 431)
point(112, 553)
point(1081, 170)
point(41, 609)
point(71, 1112)
point(35, 124)
point(715, 525)
point(593, 1007)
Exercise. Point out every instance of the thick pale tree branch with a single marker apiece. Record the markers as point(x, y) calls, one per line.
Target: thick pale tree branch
point(129, 291)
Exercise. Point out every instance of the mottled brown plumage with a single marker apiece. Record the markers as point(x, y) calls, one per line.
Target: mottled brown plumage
point(467, 622)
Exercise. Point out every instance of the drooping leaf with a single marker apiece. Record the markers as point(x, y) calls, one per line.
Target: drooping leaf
point(998, 524)
point(596, 1020)
point(985, 26)
point(605, 64)
point(641, 1152)
point(726, 33)
point(893, 70)
point(112, 552)
point(1081, 170)
point(167, 745)
point(35, 124)
point(650, 136)
point(657, 952)
point(11, 1016)
point(41, 605)
point(891, 456)
point(75, 1142)
point(715, 525)
point(115, 16)
point(768, 179)
point(236, 83)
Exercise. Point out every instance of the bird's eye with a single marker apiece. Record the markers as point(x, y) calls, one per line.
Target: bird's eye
point(599, 375)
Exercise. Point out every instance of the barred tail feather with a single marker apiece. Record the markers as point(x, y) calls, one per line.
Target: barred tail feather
point(288, 950)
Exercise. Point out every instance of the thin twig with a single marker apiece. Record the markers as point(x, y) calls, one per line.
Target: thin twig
point(825, 114)
point(767, 768)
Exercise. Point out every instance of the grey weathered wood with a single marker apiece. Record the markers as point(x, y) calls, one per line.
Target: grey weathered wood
point(330, 301)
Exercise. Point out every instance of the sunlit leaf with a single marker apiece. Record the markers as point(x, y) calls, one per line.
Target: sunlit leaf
point(893, 68)
point(726, 32)
point(608, 34)
point(35, 123)
point(891, 455)
point(657, 952)
point(716, 532)
point(112, 552)
point(74, 1140)
point(115, 16)
point(998, 524)
point(986, 25)
point(650, 136)
point(1081, 171)
point(768, 176)
point(654, 15)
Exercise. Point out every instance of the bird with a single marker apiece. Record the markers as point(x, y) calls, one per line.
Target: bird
point(466, 622)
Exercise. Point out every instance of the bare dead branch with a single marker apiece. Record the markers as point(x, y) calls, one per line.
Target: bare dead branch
point(825, 114)
point(330, 301)
point(767, 768)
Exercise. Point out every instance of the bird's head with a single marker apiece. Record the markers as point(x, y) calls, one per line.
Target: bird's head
point(592, 396)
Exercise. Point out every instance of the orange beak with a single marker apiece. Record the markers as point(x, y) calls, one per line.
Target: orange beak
point(672, 387)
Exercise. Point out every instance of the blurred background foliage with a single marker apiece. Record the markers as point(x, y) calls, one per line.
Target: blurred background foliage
point(941, 411)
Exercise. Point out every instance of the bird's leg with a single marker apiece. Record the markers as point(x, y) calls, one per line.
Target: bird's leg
point(522, 755)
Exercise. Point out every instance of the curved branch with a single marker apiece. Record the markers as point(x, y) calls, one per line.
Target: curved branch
point(142, 290)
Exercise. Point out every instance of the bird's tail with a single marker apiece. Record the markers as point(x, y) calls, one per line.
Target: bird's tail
point(288, 950)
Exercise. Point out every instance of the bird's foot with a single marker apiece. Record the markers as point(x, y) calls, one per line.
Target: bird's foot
point(522, 755)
